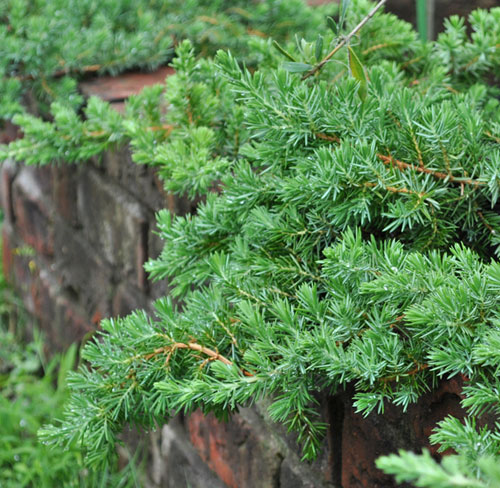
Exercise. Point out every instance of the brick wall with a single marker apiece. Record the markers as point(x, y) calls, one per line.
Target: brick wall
point(75, 239)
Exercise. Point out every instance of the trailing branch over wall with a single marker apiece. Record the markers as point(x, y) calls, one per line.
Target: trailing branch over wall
point(346, 237)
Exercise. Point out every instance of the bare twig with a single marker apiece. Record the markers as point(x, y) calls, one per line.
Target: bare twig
point(389, 160)
point(418, 367)
point(63, 72)
point(193, 346)
point(344, 41)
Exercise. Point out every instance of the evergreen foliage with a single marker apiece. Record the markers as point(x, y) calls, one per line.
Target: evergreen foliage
point(351, 238)
point(47, 45)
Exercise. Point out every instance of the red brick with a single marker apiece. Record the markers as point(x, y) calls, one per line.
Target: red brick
point(31, 211)
point(124, 85)
point(242, 454)
point(9, 132)
point(365, 439)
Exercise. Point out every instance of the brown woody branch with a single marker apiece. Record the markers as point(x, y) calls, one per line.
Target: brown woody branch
point(193, 346)
point(62, 72)
point(419, 367)
point(393, 189)
point(485, 222)
point(389, 160)
point(326, 137)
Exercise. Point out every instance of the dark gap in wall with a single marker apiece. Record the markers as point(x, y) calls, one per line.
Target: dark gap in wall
point(11, 216)
point(405, 9)
point(71, 292)
point(143, 256)
point(277, 475)
point(336, 420)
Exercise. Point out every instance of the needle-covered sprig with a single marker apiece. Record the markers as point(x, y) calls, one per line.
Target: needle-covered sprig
point(342, 238)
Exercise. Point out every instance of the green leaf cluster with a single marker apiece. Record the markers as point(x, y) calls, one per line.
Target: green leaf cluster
point(32, 392)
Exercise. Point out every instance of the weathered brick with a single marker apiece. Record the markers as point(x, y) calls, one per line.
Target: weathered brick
point(138, 179)
point(64, 187)
point(57, 314)
point(114, 223)
point(120, 87)
point(296, 474)
point(316, 474)
point(175, 463)
point(242, 454)
point(8, 252)
point(128, 298)
point(9, 132)
point(82, 271)
point(365, 439)
point(32, 210)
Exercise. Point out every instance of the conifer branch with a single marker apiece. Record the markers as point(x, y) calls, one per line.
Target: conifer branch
point(485, 222)
point(389, 160)
point(62, 72)
point(324, 254)
point(193, 346)
point(417, 369)
point(393, 189)
point(492, 136)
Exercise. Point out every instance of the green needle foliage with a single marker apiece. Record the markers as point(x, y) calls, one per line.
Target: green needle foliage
point(47, 45)
point(347, 234)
